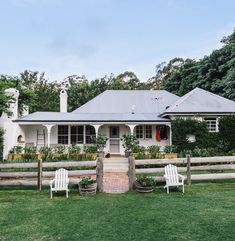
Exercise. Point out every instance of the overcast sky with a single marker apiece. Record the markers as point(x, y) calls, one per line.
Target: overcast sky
point(98, 37)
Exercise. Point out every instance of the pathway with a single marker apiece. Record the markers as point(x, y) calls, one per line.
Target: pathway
point(115, 179)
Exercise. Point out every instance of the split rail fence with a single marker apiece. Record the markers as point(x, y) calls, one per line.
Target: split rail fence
point(187, 166)
point(40, 173)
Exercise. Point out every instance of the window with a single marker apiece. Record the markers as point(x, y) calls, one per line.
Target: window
point(63, 134)
point(148, 132)
point(77, 136)
point(211, 124)
point(139, 132)
point(143, 132)
point(90, 133)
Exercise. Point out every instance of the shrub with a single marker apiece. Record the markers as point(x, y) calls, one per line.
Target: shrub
point(45, 150)
point(139, 149)
point(183, 127)
point(227, 132)
point(30, 149)
point(90, 149)
point(100, 141)
point(146, 181)
point(59, 149)
point(74, 149)
point(170, 149)
point(16, 150)
point(86, 181)
point(129, 142)
point(154, 149)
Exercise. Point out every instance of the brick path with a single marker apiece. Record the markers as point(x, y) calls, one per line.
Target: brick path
point(115, 179)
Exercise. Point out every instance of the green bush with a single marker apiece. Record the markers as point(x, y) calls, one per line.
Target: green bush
point(59, 149)
point(227, 133)
point(74, 149)
point(86, 181)
point(129, 142)
point(154, 149)
point(138, 149)
point(170, 149)
point(183, 127)
point(16, 150)
point(100, 141)
point(146, 181)
point(90, 149)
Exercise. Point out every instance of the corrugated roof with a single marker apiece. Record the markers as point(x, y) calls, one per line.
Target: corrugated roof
point(123, 101)
point(95, 117)
point(201, 101)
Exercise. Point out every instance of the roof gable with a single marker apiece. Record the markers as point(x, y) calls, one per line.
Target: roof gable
point(126, 101)
point(201, 101)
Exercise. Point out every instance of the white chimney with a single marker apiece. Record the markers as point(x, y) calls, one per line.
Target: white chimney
point(13, 107)
point(25, 110)
point(63, 100)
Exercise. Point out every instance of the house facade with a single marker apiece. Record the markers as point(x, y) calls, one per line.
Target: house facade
point(144, 113)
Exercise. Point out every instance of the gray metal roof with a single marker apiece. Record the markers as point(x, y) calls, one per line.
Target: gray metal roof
point(90, 117)
point(123, 101)
point(200, 101)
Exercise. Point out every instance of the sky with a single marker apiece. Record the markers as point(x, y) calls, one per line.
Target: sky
point(99, 37)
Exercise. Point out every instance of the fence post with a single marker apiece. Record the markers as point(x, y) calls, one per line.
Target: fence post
point(132, 177)
point(188, 169)
point(39, 174)
point(99, 174)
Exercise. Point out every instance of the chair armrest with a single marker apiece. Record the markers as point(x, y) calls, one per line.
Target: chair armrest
point(51, 182)
point(181, 176)
point(166, 177)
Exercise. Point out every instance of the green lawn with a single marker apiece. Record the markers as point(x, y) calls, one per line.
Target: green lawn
point(205, 212)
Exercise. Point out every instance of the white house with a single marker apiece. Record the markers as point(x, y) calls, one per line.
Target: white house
point(145, 113)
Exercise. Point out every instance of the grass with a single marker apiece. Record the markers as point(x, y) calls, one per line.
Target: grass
point(205, 212)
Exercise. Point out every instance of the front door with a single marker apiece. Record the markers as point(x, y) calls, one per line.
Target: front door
point(114, 140)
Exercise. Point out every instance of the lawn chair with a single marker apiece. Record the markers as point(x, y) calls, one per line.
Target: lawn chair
point(60, 182)
point(173, 179)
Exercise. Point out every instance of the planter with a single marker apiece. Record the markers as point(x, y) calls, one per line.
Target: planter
point(170, 155)
point(142, 189)
point(88, 190)
point(14, 157)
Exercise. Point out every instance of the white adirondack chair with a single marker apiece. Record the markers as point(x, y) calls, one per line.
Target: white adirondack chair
point(173, 179)
point(60, 182)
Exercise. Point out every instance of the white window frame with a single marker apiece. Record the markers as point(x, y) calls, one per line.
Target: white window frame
point(212, 124)
point(144, 137)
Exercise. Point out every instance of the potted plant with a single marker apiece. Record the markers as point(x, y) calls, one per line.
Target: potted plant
point(144, 184)
point(129, 142)
point(170, 151)
point(87, 186)
point(100, 141)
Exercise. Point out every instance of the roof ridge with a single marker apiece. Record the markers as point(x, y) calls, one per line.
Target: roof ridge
point(181, 100)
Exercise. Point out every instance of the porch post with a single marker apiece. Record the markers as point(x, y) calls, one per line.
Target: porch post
point(170, 135)
point(132, 127)
point(96, 129)
point(48, 134)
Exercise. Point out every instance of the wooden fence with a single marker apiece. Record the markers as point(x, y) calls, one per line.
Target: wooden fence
point(185, 166)
point(35, 173)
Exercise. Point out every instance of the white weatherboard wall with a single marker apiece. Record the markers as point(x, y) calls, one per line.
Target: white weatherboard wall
point(12, 130)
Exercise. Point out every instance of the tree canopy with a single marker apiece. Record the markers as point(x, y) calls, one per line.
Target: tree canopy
point(215, 73)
